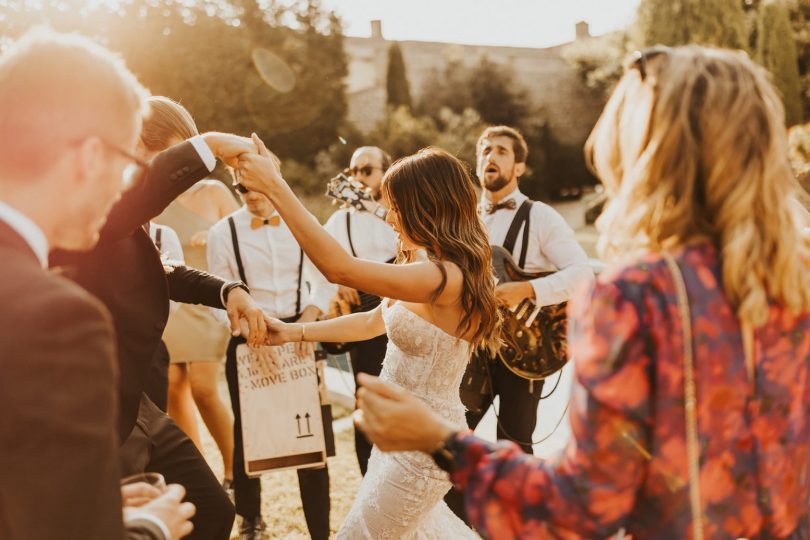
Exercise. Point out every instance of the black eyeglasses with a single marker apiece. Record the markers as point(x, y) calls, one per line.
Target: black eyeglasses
point(366, 171)
point(640, 58)
point(135, 171)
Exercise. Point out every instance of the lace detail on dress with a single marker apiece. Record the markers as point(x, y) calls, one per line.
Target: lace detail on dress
point(401, 494)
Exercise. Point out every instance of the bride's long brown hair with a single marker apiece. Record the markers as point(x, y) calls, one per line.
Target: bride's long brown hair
point(437, 204)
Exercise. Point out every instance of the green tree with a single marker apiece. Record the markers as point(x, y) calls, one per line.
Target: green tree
point(271, 67)
point(776, 50)
point(396, 79)
point(678, 22)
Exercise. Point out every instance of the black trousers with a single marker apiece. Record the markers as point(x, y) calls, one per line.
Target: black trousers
point(517, 417)
point(156, 386)
point(313, 483)
point(367, 357)
point(156, 444)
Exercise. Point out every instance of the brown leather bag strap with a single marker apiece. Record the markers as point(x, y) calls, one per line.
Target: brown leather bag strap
point(690, 400)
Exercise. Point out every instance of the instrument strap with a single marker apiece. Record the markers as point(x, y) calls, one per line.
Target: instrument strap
point(522, 216)
point(349, 232)
point(241, 267)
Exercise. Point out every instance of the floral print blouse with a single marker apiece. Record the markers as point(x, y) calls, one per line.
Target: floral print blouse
point(626, 464)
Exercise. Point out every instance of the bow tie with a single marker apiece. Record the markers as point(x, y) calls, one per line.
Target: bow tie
point(492, 208)
point(273, 221)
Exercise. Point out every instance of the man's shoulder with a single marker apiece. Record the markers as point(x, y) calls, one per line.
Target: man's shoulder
point(546, 213)
point(222, 225)
point(25, 288)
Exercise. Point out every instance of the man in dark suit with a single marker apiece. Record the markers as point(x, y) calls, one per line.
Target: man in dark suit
point(65, 141)
point(125, 272)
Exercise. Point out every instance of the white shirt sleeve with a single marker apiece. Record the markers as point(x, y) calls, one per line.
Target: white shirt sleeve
point(221, 261)
point(321, 291)
point(170, 244)
point(559, 245)
point(206, 155)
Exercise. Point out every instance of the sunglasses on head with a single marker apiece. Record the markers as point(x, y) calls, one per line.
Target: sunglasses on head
point(640, 58)
point(365, 171)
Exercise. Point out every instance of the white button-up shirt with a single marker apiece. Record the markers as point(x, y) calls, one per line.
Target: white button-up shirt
point(373, 239)
point(30, 231)
point(551, 247)
point(271, 257)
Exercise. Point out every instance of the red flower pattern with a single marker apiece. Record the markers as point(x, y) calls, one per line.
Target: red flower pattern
point(626, 465)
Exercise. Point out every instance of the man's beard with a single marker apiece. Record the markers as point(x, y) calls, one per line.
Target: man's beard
point(497, 183)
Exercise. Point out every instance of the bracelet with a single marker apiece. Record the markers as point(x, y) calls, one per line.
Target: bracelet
point(303, 332)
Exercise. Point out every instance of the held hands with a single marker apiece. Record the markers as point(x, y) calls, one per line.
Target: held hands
point(259, 170)
point(395, 420)
point(228, 147)
point(241, 307)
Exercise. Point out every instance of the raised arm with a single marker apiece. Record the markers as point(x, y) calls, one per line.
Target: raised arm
point(170, 173)
point(410, 282)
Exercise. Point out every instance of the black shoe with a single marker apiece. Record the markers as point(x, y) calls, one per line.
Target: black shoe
point(252, 529)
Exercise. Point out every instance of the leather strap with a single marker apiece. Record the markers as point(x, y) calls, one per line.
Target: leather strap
point(690, 400)
point(237, 255)
point(349, 233)
point(522, 216)
point(158, 243)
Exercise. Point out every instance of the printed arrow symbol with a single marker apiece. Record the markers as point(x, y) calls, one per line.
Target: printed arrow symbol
point(298, 420)
point(309, 430)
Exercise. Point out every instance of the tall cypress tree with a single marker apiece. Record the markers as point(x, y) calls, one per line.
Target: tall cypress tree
point(678, 22)
point(396, 81)
point(776, 50)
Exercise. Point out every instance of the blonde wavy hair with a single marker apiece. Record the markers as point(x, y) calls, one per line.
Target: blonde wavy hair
point(438, 207)
point(692, 144)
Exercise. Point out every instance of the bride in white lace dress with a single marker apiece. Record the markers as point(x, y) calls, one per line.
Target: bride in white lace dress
point(439, 305)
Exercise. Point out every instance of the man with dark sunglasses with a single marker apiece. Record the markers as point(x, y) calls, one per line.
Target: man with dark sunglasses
point(366, 236)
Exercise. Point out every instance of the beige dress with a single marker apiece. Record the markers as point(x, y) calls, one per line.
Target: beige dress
point(192, 334)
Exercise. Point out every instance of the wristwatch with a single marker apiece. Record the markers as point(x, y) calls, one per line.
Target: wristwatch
point(444, 456)
point(231, 286)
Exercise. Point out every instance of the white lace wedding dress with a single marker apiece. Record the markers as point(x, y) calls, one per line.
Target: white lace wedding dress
point(401, 494)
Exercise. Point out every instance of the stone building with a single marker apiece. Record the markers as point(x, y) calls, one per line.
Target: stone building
point(568, 105)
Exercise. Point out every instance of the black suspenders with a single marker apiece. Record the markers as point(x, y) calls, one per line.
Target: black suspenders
point(521, 216)
point(349, 233)
point(158, 243)
point(241, 267)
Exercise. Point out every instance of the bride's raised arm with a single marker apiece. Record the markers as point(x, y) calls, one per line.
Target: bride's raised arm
point(414, 282)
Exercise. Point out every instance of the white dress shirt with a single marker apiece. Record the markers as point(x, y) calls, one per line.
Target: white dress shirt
point(270, 256)
point(551, 247)
point(170, 246)
point(373, 239)
point(30, 231)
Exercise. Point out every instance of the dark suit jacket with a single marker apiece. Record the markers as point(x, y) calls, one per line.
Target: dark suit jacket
point(125, 272)
point(58, 444)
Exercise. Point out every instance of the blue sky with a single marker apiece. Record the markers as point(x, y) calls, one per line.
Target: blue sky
point(519, 23)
